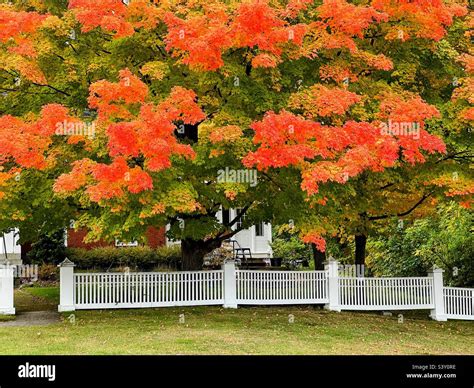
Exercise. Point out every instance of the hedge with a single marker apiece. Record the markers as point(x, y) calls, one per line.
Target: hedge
point(136, 258)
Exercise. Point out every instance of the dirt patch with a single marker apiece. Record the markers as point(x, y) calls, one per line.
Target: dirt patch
point(33, 318)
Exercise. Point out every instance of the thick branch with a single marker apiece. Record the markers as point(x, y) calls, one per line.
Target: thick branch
point(402, 214)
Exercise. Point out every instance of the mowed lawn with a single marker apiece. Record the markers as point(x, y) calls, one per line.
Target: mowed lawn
point(247, 330)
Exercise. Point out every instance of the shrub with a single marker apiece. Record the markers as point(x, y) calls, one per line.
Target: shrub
point(136, 258)
point(218, 256)
point(48, 249)
point(288, 246)
point(169, 256)
point(48, 273)
point(444, 239)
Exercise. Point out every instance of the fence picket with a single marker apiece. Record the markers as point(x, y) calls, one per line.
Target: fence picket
point(280, 287)
point(459, 302)
point(383, 293)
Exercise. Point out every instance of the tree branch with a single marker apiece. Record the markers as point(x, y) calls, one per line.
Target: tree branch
point(53, 88)
point(402, 214)
point(239, 215)
point(453, 156)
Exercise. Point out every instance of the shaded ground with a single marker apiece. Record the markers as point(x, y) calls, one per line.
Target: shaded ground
point(36, 299)
point(248, 330)
point(33, 318)
point(34, 307)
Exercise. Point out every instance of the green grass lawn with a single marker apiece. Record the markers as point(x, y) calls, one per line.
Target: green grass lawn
point(247, 330)
point(36, 298)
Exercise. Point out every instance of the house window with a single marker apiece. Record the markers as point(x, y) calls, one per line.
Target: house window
point(259, 231)
point(240, 219)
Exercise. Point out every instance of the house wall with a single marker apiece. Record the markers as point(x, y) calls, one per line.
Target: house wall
point(156, 237)
point(75, 239)
point(9, 241)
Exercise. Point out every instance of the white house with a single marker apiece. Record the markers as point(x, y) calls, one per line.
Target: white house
point(257, 238)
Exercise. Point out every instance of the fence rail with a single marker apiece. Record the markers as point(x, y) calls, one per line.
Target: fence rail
point(129, 290)
point(459, 302)
point(385, 293)
point(281, 287)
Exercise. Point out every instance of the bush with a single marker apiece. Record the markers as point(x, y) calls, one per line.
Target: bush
point(218, 256)
point(136, 258)
point(169, 257)
point(444, 239)
point(288, 246)
point(48, 249)
point(48, 273)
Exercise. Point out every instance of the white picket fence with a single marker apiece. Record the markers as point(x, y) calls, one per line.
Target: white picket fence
point(6, 290)
point(386, 293)
point(281, 287)
point(230, 287)
point(459, 303)
point(157, 289)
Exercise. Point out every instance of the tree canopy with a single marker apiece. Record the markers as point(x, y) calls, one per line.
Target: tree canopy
point(348, 111)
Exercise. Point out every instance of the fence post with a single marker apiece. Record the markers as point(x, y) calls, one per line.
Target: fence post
point(230, 285)
point(438, 313)
point(6, 290)
point(332, 268)
point(66, 286)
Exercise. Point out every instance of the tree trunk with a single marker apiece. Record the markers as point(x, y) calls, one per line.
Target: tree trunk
point(25, 248)
point(193, 252)
point(319, 258)
point(360, 243)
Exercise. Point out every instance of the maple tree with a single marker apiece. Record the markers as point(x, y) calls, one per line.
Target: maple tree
point(179, 90)
point(408, 193)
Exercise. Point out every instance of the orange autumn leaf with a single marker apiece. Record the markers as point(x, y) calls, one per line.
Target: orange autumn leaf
point(322, 101)
point(14, 24)
point(228, 133)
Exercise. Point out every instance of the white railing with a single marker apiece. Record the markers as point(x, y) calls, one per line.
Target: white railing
point(385, 293)
point(157, 289)
point(231, 287)
point(459, 302)
point(281, 287)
